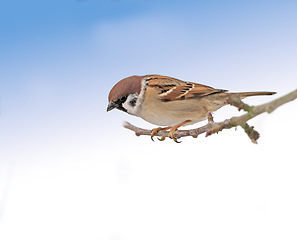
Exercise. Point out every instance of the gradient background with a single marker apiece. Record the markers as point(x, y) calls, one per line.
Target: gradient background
point(69, 170)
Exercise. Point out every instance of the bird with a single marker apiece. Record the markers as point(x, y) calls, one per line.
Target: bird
point(169, 102)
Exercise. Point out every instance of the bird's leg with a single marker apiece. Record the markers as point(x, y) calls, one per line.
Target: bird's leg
point(174, 128)
point(171, 132)
point(156, 130)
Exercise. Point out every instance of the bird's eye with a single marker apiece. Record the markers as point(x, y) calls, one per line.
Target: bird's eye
point(123, 99)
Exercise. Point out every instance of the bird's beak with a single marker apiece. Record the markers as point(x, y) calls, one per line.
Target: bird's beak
point(111, 106)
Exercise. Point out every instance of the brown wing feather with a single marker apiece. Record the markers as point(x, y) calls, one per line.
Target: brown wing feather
point(175, 89)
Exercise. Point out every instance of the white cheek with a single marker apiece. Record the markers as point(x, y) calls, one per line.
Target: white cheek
point(127, 105)
point(135, 110)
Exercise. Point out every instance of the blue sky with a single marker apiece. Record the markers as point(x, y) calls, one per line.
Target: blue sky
point(136, 37)
point(66, 163)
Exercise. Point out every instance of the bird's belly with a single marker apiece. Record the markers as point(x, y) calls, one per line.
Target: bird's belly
point(170, 114)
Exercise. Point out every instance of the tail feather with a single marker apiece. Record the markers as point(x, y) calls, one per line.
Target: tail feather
point(250, 94)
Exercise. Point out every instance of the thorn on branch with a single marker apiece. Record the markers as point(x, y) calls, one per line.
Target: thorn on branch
point(209, 117)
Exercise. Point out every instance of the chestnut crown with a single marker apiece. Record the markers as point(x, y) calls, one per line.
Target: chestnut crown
point(125, 87)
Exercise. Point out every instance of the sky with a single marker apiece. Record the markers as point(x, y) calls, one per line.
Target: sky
point(69, 170)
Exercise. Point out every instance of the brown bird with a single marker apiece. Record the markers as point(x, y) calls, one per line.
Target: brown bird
point(167, 101)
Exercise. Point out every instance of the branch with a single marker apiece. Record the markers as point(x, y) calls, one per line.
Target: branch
point(214, 127)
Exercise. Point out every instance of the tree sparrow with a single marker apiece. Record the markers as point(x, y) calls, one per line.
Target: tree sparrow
point(167, 101)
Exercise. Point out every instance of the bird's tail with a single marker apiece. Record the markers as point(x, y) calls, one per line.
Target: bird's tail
point(250, 94)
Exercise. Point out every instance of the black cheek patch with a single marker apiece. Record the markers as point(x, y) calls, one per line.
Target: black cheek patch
point(119, 103)
point(133, 102)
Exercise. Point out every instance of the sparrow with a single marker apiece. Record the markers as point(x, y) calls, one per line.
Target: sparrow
point(167, 101)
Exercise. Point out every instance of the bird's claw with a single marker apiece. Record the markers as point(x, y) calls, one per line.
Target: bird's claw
point(162, 138)
point(171, 135)
point(156, 130)
point(171, 132)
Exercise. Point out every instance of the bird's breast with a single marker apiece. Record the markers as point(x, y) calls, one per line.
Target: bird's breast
point(171, 113)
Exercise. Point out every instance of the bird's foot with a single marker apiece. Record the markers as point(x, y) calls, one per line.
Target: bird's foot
point(174, 129)
point(171, 132)
point(156, 130)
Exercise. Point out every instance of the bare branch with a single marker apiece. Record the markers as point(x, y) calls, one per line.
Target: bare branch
point(214, 127)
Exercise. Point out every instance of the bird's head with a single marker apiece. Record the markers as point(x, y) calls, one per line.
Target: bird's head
point(124, 94)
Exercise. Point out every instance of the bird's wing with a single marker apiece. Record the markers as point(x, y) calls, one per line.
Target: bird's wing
point(174, 89)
